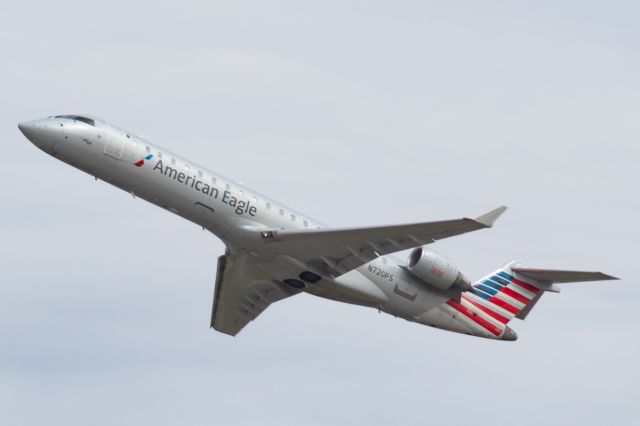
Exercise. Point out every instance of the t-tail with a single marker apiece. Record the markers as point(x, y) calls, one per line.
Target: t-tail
point(511, 292)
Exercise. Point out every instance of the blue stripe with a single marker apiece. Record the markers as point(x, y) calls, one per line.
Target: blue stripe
point(491, 284)
point(505, 275)
point(486, 289)
point(481, 294)
point(500, 280)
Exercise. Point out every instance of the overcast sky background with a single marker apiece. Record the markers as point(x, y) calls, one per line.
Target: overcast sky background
point(357, 113)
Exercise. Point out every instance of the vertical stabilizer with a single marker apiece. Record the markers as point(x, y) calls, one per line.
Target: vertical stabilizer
point(513, 290)
point(505, 294)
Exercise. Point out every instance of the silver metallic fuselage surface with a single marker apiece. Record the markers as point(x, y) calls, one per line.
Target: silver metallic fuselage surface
point(234, 213)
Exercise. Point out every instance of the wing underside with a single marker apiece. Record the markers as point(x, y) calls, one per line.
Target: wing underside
point(247, 284)
point(242, 292)
point(335, 251)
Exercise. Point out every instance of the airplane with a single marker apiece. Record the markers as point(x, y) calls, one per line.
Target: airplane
point(274, 252)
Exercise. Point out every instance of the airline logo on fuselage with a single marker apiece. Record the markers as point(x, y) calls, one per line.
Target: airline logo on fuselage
point(239, 206)
point(140, 163)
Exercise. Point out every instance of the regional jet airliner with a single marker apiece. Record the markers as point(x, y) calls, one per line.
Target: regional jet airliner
point(274, 252)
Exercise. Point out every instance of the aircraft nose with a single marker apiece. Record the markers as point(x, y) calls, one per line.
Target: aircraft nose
point(36, 132)
point(28, 128)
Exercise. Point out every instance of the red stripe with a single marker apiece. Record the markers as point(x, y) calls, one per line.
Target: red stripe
point(470, 314)
point(488, 311)
point(532, 289)
point(504, 305)
point(517, 296)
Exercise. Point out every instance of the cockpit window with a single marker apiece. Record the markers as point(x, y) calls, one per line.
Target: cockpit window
point(89, 121)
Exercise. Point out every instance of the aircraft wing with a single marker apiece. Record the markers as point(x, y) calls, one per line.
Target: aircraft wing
point(333, 252)
point(242, 293)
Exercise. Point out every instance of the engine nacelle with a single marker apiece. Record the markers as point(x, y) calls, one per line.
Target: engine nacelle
point(436, 270)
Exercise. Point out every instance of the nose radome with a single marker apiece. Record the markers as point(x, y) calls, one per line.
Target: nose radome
point(38, 133)
point(28, 128)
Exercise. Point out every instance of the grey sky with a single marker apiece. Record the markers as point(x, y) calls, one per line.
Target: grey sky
point(358, 113)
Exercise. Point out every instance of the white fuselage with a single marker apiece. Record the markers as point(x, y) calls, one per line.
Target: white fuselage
point(232, 212)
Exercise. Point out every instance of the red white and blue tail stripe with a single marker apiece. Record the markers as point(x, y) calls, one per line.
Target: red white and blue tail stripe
point(509, 292)
point(504, 295)
point(495, 300)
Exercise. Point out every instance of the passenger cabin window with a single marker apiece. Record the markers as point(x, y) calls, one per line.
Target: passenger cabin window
point(293, 217)
point(200, 173)
point(268, 206)
point(147, 149)
point(281, 212)
point(173, 161)
point(89, 121)
point(227, 186)
point(186, 167)
point(241, 194)
point(159, 154)
point(305, 223)
point(213, 180)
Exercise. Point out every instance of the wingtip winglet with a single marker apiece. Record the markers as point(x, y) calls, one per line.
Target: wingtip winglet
point(489, 218)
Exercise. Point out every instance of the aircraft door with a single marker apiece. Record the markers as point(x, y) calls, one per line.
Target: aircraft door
point(114, 145)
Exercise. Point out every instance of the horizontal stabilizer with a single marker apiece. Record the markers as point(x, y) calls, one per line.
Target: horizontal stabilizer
point(513, 290)
point(559, 276)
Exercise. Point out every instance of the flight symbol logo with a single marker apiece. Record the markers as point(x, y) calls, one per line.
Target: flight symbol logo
point(140, 163)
